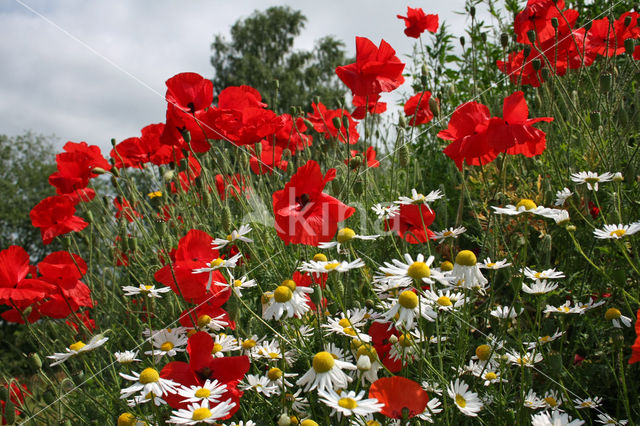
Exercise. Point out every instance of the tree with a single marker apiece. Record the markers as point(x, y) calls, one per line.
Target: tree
point(261, 52)
point(26, 161)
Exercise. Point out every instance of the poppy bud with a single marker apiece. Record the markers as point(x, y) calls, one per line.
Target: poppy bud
point(358, 187)
point(627, 20)
point(526, 51)
point(336, 185)
point(98, 170)
point(35, 361)
point(169, 175)
point(207, 200)
point(355, 162)
point(629, 46)
point(402, 122)
point(462, 41)
point(232, 307)
point(595, 119)
point(531, 36)
point(337, 123)
point(226, 218)
point(546, 74)
point(307, 123)
point(425, 69)
point(114, 181)
point(276, 83)
point(434, 106)
point(554, 22)
point(113, 142)
point(186, 135)
point(504, 40)
point(472, 11)
point(403, 155)
point(369, 303)
point(345, 122)
point(605, 83)
point(27, 311)
point(338, 287)
point(536, 64)
point(89, 216)
point(316, 296)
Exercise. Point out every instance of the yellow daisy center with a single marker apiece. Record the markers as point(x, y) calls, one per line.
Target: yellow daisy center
point(612, 313)
point(592, 179)
point(147, 288)
point(348, 403)
point(191, 332)
point(229, 237)
point(202, 393)
point(367, 350)
point(308, 422)
point(331, 266)
point(491, 376)
point(527, 204)
point(345, 234)
point(264, 299)
point(551, 401)
point(617, 233)
point(444, 301)
point(149, 375)
point(545, 339)
point(344, 322)
point(274, 355)
point(127, 419)
point(491, 264)
point(274, 374)
point(320, 257)
point(447, 233)
point(291, 284)
point(217, 347)
point(77, 345)
point(419, 270)
point(466, 258)
point(323, 362)
point(405, 340)
point(373, 423)
point(166, 346)
point(203, 320)
point(216, 262)
point(248, 344)
point(483, 352)
point(350, 331)
point(408, 299)
point(460, 401)
point(237, 283)
point(201, 413)
point(446, 266)
point(282, 294)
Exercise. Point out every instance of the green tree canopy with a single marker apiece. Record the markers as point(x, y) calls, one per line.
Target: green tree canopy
point(26, 161)
point(261, 51)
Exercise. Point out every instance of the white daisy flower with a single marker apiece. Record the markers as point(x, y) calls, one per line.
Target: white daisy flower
point(417, 198)
point(237, 285)
point(348, 325)
point(349, 403)
point(201, 413)
point(126, 357)
point(236, 235)
point(405, 348)
point(373, 363)
point(505, 312)
point(526, 206)
point(326, 266)
point(616, 231)
point(224, 343)
point(488, 264)
point(260, 384)
point(591, 178)
point(385, 212)
point(205, 322)
point(78, 348)
point(547, 274)
point(271, 350)
point(299, 331)
point(580, 403)
point(559, 216)
point(606, 419)
point(407, 307)
point(562, 195)
point(433, 407)
point(533, 401)
point(542, 340)
point(337, 353)
point(216, 264)
point(299, 403)
point(450, 233)
point(584, 307)
point(401, 274)
point(556, 418)
point(445, 300)
point(529, 359)
point(552, 400)
point(286, 301)
point(326, 373)
point(148, 290)
point(210, 391)
point(539, 287)
point(345, 235)
point(140, 399)
point(467, 402)
point(466, 271)
point(248, 346)
point(615, 316)
point(168, 342)
point(488, 375)
point(278, 378)
point(617, 177)
point(148, 381)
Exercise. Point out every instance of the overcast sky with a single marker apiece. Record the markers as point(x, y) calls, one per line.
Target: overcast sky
point(95, 70)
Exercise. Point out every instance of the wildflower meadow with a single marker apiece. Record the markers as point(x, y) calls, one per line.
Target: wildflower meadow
point(469, 256)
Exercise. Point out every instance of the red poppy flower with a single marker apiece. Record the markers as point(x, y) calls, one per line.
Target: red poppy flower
point(86, 320)
point(537, 16)
point(17, 392)
point(322, 120)
point(231, 184)
point(399, 394)
point(411, 223)
point(135, 152)
point(380, 333)
point(190, 92)
point(376, 70)
point(290, 134)
point(303, 213)
point(370, 157)
point(370, 104)
point(635, 348)
point(420, 114)
point(15, 289)
point(417, 22)
point(75, 167)
point(54, 216)
point(228, 370)
point(607, 38)
point(62, 268)
point(514, 133)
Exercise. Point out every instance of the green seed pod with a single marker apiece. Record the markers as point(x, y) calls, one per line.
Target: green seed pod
point(595, 120)
point(504, 40)
point(35, 361)
point(358, 187)
point(186, 135)
point(472, 11)
point(629, 46)
point(434, 106)
point(355, 162)
point(316, 296)
point(531, 36)
point(337, 123)
point(403, 155)
point(462, 41)
point(526, 51)
point(605, 83)
point(537, 64)
point(345, 122)
point(113, 142)
point(226, 218)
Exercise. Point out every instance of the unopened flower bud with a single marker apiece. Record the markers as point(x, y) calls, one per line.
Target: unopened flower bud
point(364, 363)
point(284, 420)
point(98, 170)
point(169, 175)
point(226, 218)
point(629, 46)
point(504, 40)
point(35, 361)
point(462, 41)
point(537, 64)
point(186, 135)
point(369, 303)
point(355, 162)
point(345, 122)
point(113, 142)
point(472, 11)
point(403, 155)
point(554, 22)
point(546, 74)
point(570, 228)
point(605, 82)
point(531, 36)
point(307, 123)
point(434, 106)
point(393, 339)
point(617, 177)
point(337, 123)
point(526, 51)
